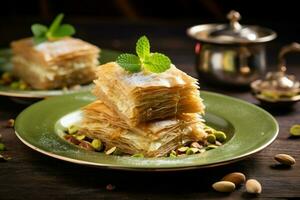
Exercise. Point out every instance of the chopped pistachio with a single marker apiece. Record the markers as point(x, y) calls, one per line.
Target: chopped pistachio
point(15, 85)
point(79, 137)
point(138, 155)
point(202, 150)
point(2, 147)
point(97, 144)
point(173, 152)
point(10, 123)
point(192, 150)
point(23, 85)
point(211, 138)
point(220, 136)
point(86, 145)
point(72, 139)
point(218, 143)
point(172, 155)
point(211, 146)
point(110, 151)
point(73, 129)
point(117, 152)
point(7, 78)
point(209, 130)
point(182, 149)
point(295, 130)
point(196, 145)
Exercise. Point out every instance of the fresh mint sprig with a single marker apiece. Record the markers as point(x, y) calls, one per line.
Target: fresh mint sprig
point(153, 62)
point(56, 30)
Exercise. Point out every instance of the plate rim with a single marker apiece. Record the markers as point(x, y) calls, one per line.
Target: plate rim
point(180, 168)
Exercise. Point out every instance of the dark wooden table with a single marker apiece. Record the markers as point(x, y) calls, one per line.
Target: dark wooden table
point(31, 175)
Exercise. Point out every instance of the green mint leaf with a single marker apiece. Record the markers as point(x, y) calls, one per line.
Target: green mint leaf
point(55, 24)
point(143, 47)
point(129, 62)
point(157, 62)
point(64, 30)
point(39, 30)
point(38, 40)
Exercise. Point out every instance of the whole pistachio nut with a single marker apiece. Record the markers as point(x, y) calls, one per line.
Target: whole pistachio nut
point(211, 146)
point(253, 186)
point(236, 177)
point(97, 144)
point(224, 186)
point(220, 136)
point(211, 138)
point(285, 159)
point(191, 151)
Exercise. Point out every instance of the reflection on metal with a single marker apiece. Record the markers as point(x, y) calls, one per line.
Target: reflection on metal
point(279, 86)
point(230, 53)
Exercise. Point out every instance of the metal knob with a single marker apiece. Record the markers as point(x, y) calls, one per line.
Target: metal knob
point(234, 18)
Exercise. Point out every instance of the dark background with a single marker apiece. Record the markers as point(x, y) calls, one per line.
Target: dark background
point(116, 24)
point(282, 16)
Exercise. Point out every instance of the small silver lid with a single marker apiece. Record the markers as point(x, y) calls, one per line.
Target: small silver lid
point(232, 33)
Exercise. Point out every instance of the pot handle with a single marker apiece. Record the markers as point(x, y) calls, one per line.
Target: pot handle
point(294, 47)
point(234, 18)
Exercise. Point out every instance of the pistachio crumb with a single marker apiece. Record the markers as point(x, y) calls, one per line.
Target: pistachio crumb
point(138, 155)
point(10, 123)
point(110, 151)
point(182, 149)
point(295, 130)
point(2, 147)
point(97, 144)
point(211, 138)
point(73, 129)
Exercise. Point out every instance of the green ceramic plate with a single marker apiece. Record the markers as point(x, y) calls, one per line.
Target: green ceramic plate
point(250, 129)
point(5, 65)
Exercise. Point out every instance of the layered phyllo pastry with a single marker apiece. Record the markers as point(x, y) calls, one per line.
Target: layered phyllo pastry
point(54, 64)
point(141, 97)
point(52, 58)
point(145, 106)
point(152, 139)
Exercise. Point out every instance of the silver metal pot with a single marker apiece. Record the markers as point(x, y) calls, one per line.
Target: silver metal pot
point(230, 53)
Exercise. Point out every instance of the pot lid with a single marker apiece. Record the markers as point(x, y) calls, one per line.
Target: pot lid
point(231, 33)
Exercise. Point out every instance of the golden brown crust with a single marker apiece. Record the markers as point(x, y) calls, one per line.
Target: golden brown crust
point(153, 139)
point(141, 97)
point(54, 64)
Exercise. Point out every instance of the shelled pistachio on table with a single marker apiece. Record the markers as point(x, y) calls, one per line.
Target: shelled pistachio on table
point(231, 181)
point(295, 130)
point(214, 140)
point(285, 159)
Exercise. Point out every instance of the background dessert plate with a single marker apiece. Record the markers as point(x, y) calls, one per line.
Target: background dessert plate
point(249, 129)
point(5, 65)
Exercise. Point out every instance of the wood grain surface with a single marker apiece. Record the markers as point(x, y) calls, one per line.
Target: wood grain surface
point(31, 175)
